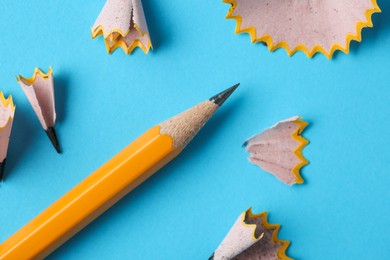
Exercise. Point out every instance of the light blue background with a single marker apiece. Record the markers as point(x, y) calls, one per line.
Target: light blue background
point(183, 212)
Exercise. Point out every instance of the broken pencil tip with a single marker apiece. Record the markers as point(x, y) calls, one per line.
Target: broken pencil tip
point(51, 133)
point(2, 166)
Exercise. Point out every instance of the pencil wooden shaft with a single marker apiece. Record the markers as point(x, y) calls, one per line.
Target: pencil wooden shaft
point(91, 197)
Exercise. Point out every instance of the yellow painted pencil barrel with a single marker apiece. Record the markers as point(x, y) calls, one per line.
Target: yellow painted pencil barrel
point(103, 188)
point(91, 197)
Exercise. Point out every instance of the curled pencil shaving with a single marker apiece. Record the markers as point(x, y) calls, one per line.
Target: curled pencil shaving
point(7, 112)
point(278, 150)
point(252, 237)
point(307, 26)
point(39, 90)
point(122, 24)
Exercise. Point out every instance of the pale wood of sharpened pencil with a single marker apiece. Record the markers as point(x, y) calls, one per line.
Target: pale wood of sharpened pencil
point(184, 126)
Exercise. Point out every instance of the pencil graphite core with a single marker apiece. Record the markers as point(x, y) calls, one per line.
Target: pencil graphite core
point(108, 184)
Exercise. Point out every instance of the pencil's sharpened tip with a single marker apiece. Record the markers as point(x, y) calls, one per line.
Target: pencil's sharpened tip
point(2, 166)
point(51, 133)
point(211, 257)
point(220, 98)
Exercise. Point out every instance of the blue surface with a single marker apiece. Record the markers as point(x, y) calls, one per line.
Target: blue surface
point(183, 212)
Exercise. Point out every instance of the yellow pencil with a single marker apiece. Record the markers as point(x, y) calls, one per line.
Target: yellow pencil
point(103, 188)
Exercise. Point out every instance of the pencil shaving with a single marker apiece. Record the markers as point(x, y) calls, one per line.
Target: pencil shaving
point(308, 26)
point(39, 90)
point(278, 150)
point(252, 237)
point(7, 112)
point(122, 24)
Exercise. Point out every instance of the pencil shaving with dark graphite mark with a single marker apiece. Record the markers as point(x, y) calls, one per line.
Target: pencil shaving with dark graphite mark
point(39, 90)
point(122, 24)
point(278, 150)
point(7, 112)
point(252, 237)
point(308, 26)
